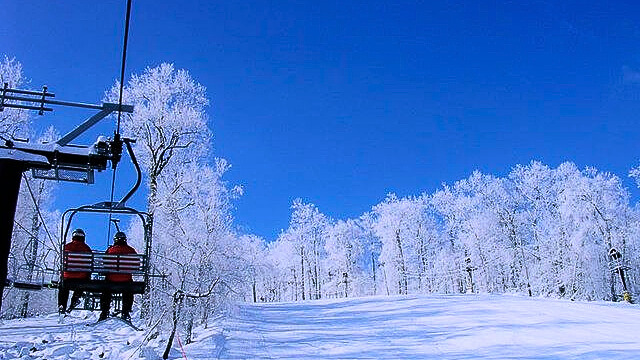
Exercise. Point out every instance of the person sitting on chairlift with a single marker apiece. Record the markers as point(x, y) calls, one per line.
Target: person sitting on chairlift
point(76, 245)
point(119, 247)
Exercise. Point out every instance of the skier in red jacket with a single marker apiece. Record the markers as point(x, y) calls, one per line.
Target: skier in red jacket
point(119, 247)
point(76, 245)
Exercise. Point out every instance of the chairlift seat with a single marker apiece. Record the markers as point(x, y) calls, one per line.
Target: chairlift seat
point(38, 279)
point(27, 285)
point(99, 264)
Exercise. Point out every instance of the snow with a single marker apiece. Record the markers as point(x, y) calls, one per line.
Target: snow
point(437, 327)
point(46, 337)
point(407, 327)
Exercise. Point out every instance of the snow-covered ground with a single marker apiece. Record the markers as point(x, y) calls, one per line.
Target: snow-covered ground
point(45, 337)
point(412, 327)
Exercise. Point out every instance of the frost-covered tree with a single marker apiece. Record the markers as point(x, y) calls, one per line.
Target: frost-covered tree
point(31, 248)
point(170, 125)
point(538, 231)
point(595, 205)
point(196, 243)
point(494, 201)
point(396, 224)
point(258, 268)
point(372, 246)
point(284, 255)
point(13, 122)
point(540, 188)
point(344, 248)
point(309, 226)
point(34, 247)
point(169, 120)
point(306, 236)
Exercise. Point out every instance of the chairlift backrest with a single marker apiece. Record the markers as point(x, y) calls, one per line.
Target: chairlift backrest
point(99, 263)
point(102, 263)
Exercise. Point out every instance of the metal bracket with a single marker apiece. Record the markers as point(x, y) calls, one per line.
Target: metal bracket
point(36, 100)
point(107, 108)
point(62, 160)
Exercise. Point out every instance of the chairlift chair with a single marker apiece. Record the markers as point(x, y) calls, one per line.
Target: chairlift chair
point(98, 263)
point(34, 277)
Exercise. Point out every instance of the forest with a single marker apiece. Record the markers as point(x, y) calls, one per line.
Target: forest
point(537, 231)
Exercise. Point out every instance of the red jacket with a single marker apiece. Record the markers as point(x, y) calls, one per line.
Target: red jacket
point(77, 246)
point(121, 249)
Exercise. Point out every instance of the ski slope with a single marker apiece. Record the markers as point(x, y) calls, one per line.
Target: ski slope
point(411, 327)
point(434, 327)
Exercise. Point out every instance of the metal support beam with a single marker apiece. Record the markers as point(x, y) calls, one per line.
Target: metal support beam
point(83, 127)
point(27, 107)
point(39, 99)
point(107, 108)
point(10, 183)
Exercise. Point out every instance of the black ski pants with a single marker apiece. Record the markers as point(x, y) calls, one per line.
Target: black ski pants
point(63, 299)
point(105, 304)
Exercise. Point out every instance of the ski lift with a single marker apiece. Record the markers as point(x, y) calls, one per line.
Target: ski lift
point(618, 266)
point(31, 276)
point(34, 277)
point(62, 161)
point(99, 263)
point(616, 261)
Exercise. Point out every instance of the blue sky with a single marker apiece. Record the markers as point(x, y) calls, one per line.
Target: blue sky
point(340, 103)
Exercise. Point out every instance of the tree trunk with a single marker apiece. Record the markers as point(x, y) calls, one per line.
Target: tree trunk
point(255, 299)
point(348, 270)
point(189, 330)
point(302, 270)
point(316, 282)
point(295, 284)
point(206, 308)
point(373, 269)
point(386, 282)
point(346, 285)
point(520, 246)
point(145, 307)
point(403, 285)
point(178, 297)
point(423, 264)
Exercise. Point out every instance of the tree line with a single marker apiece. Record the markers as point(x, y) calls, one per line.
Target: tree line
point(538, 231)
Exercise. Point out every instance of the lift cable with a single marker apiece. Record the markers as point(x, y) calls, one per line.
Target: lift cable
point(124, 60)
point(26, 231)
point(117, 133)
point(113, 185)
point(37, 207)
